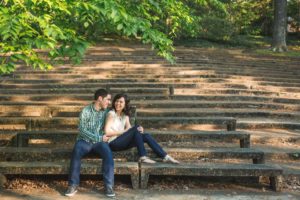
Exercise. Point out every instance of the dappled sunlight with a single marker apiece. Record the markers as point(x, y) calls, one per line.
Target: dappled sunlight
point(12, 127)
point(195, 127)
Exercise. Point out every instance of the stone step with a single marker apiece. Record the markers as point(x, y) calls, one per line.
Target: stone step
point(34, 106)
point(91, 168)
point(55, 137)
point(280, 84)
point(161, 78)
point(213, 61)
point(199, 73)
point(115, 76)
point(279, 154)
point(176, 112)
point(85, 91)
point(262, 91)
point(276, 140)
point(213, 169)
point(143, 90)
point(189, 123)
point(31, 154)
point(236, 98)
point(59, 98)
point(41, 123)
point(99, 85)
point(109, 81)
point(159, 69)
point(83, 99)
point(237, 113)
point(264, 123)
point(157, 78)
point(290, 168)
point(163, 112)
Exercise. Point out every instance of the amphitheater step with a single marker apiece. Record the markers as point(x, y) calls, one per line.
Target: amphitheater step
point(84, 91)
point(259, 92)
point(264, 123)
point(160, 112)
point(30, 154)
point(44, 168)
point(213, 169)
point(59, 98)
point(68, 137)
point(96, 85)
point(35, 123)
point(238, 113)
point(30, 106)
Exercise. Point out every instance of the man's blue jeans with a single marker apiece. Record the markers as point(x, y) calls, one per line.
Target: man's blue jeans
point(82, 148)
point(133, 138)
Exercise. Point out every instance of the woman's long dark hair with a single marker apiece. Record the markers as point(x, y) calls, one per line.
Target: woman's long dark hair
point(126, 109)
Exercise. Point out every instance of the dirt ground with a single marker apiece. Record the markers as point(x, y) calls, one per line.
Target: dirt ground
point(193, 194)
point(162, 188)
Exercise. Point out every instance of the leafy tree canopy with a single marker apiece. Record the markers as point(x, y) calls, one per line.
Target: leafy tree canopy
point(38, 32)
point(65, 27)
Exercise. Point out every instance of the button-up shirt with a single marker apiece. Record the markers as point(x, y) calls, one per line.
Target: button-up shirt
point(91, 124)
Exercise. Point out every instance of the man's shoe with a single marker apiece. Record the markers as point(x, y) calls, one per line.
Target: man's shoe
point(145, 159)
point(71, 191)
point(109, 192)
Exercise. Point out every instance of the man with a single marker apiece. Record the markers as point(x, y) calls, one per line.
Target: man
point(92, 139)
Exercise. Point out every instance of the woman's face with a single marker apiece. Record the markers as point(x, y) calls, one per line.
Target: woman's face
point(120, 104)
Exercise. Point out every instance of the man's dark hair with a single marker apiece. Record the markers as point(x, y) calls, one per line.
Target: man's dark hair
point(100, 93)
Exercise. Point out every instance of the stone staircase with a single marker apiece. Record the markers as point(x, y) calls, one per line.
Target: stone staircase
point(222, 113)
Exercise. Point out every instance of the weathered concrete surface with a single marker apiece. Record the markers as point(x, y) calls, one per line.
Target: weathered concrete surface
point(155, 195)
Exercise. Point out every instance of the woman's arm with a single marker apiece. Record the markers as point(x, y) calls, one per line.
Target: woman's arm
point(107, 128)
point(127, 124)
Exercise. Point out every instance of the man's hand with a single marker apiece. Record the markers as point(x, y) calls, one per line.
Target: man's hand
point(140, 129)
point(105, 138)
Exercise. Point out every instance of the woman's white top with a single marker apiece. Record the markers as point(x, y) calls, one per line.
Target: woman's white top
point(118, 123)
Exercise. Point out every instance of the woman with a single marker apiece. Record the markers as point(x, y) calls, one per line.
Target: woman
point(122, 136)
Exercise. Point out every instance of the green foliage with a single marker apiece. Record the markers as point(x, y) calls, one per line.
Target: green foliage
point(32, 31)
point(224, 32)
point(245, 13)
point(27, 25)
point(294, 13)
point(65, 28)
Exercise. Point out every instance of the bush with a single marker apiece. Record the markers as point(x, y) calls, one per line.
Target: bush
point(216, 29)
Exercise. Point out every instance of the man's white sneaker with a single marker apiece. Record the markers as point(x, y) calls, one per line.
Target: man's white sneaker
point(71, 191)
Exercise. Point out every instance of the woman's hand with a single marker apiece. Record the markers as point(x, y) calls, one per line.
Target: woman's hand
point(105, 138)
point(140, 129)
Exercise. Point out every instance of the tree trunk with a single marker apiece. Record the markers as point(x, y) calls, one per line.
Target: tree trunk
point(280, 26)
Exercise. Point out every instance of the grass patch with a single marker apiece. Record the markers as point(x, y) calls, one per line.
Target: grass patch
point(293, 53)
point(240, 41)
point(255, 44)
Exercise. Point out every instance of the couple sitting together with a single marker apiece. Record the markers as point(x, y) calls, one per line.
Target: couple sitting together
point(103, 130)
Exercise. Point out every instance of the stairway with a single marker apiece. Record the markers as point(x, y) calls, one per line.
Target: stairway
point(188, 108)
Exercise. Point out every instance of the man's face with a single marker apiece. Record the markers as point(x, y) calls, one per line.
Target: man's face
point(104, 102)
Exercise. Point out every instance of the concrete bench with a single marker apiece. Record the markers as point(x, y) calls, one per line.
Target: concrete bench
point(29, 154)
point(23, 137)
point(229, 122)
point(184, 136)
point(46, 123)
point(49, 168)
point(32, 154)
point(213, 169)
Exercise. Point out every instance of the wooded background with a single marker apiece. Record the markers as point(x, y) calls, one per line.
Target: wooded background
point(65, 28)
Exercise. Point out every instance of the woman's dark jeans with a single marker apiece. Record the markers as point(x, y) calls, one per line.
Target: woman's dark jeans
point(133, 138)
